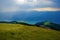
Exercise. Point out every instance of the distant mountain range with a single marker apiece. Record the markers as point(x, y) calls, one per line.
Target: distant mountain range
point(47, 24)
point(32, 16)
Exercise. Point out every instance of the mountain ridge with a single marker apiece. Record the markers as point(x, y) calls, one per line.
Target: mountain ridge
point(45, 24)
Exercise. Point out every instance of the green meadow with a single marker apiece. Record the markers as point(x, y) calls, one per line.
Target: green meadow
point(25, 32)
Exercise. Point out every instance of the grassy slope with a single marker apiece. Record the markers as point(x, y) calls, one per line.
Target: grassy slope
point(23, 32)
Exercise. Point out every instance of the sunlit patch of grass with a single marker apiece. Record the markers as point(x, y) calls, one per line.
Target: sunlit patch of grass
point(24, 32)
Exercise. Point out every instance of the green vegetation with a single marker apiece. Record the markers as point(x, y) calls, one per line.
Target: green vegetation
point(48, 24)
point(24, 32)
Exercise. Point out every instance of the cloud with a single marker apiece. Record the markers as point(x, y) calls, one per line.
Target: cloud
point(39, 3)
point(45, 9)
point(11, 6)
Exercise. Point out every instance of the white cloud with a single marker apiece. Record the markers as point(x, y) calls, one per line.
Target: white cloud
point(29, 4)
point(34, 3)
point(40, 3)
point(19, 1)
point(31, 9)
point(45, 9)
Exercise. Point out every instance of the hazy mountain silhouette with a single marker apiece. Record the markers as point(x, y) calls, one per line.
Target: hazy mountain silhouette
point(47, 24)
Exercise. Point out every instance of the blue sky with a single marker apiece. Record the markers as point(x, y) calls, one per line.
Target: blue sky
point(18, 5)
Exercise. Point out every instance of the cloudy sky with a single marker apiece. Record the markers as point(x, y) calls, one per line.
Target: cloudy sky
point(38, 5)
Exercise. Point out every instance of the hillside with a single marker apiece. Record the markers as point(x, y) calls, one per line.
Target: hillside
point(24, 32)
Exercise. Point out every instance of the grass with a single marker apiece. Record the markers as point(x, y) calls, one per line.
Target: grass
point(24, 32)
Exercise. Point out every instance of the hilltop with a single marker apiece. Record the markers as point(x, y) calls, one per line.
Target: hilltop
point(25, 32)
